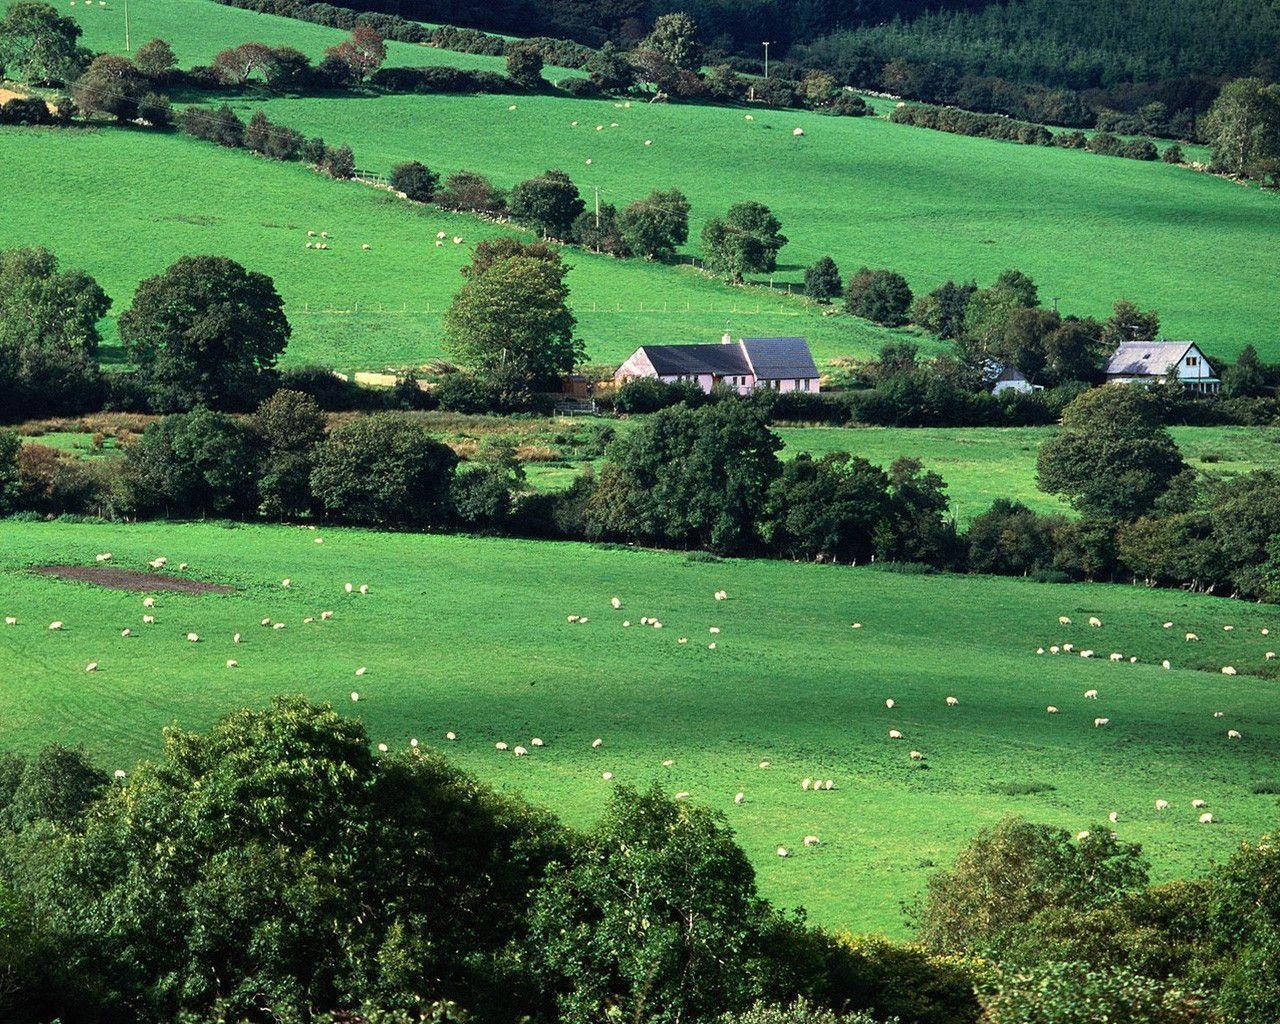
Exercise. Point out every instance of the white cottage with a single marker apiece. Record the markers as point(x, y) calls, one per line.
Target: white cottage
point(779, 364)
point(1149, 362)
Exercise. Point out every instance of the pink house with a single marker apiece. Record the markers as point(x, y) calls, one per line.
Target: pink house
point(780, 364)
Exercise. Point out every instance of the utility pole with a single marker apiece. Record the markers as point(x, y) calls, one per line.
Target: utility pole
point(766, 62)
point(126, 26)
point(1055, 303)
point(597, 188)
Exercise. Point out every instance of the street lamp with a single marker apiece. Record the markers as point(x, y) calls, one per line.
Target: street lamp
point(766, 61)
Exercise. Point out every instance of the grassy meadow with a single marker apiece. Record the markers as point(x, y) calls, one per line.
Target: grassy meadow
point(471, 636)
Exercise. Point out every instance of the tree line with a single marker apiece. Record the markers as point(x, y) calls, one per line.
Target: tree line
point(389, 887)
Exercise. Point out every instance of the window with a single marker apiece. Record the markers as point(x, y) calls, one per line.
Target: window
point(1193, 360)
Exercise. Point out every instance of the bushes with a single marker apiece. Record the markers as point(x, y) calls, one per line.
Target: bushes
point(881, 296)
point(439, 80)
point(415, 180)
point(277, 141)
point(649, 394)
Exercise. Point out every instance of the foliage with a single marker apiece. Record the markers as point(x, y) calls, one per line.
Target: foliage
point(675, 39)
point(822, 280)
point(549, 203)
point(383, 470)
point(524, 67)
point(799, 1012)
point(110, 85)
point(155, 58)
point(205, 332)
point(746, 240)
point(39, 45)
point(361, 55)
point(291, 425)
point(1243, 125)
point(881, 296)
point(655, 226)
point(830, 508)
point(1076, 993)
point(415, 180)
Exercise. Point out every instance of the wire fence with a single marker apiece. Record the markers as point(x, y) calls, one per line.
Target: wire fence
point(579, 308)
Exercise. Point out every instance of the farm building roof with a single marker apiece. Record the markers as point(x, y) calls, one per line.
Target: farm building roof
point(680, 360)
point(780, 358)
point(1146, 358)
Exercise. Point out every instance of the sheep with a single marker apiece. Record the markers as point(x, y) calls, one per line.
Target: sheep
point(326, 616)
point(1116, 657)
point(645, 620)
point(364, 588)
point(782, 851)
point(1054, 649)
point(311, 234)
point(648, 142)
point(10, 620)
point(683, 640)
point(889, 703)
point(748, 117)
point(1039, 650)
point(616, 602)
point(308, 620)
point(894, 734)
point(520, 751)
point(148, 602)
point(682, 795)
point(1133, 660)
point(1090, 694)
point(1051, 710)
point(573, 124)
point(805, 784)
point(915, 755)
point(1100, 722)
point(1269, 655)
point(364, 247)
point(232, 663)
point(1070, 647)
point(193, 638)
point(855, 625)
point(413, 743)
point(512, 107)
point(382, 748)
point(597, 743)
point(1218, 714)
point(319, 540)
point(1064, 620)
point(1162, 805)
point(811, 840)
point(535, 742)
point(324, 234)
point(583, 621)
point(126, 632)
point(952, 702)
point(797, 132)
point(829, 785)
point(499, 745)
point(158, 563)
point(1086, 654)
point(277, 625)
point(1165, 664)
point(148, 620)
point(738, 798)
point(91, 667)
point(266, 621)
point(1233, 734)
point(1167, 625)
point(1265, 632)
point(1205, 819)
point(607, 776)
point(1094, 620)
point(440, 234)
point(1228, 629)
point(613, 124)
point(766, 764)
point(119, 773)
point(1228, 670)
point(1197, 804)
point(308, 245)
point(104, 557)
point(713, 630)
point(348, 587)
point(1113, 817)
point(361, 670)
point(667, 763)
point(590, 161)
point(457, 239)
point(235, 638)
point(451, 736)
point(1192, 638)
point(722, 595)
point(56, 624)
point(626, 623)
point(571, 618)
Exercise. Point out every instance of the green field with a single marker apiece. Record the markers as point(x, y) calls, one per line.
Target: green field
point(471, 636)
point(1200, 250)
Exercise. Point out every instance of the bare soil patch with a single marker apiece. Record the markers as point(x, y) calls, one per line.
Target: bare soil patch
point(131, 579)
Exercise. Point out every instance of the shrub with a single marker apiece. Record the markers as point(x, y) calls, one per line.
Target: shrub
point(469, 192)
point(1173, 155)
point(881, 296)
point(415, 180)
point(649, 394)
point(580, 88)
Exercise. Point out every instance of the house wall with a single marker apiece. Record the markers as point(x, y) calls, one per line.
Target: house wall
point(1012, 385)
point(807, 384)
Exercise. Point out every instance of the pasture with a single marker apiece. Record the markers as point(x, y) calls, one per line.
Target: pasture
point(470, 636)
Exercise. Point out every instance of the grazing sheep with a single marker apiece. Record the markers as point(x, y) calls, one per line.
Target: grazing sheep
point(626, 623)
point(325, 616)
point(348, 587)
point(193, 638)
point(364, 588)
point(535, 742)
point(266, 621)
point(1168, 625)
point(157, 563)
point(889, 703)
point(413, 743)
point(1064, 620)
point(1051, 710)
point(805, 784)
point(1228, 629)
point(1228, 670)
point(952, 702)
point(319, 540)
point(1191, 638)
point(1113, 817)
point(382, 748)
point(10, 620)
point(1099, 722)
point(810, 840)
point(1090, 694)
point(500, 745)
point(783, 852)
point(91, 667)
point(1265, 632)
point(682, 795)
point(829, 785)
point(667, 763)
point(855, 625)
point(1054, 649)
point(1205, 819)
point(450, 736)
point(148, 602)
point(1086, 654)
point(1218, 714)
point(648, 142)
point(797, 132)
point(915, 755)
point(1070, 647)
point(361, 670)
point(616, 602)
point(1162, 805)
point(1039, 650)
point(597, 743)
point(308, 620)
point(722, 595)
point(713, 630)
point(1094, 620)
point(104, 557)
point(738, 798)
point(126, 632)
point(1165, 664)
point(571, 618)
point(311, 234)
point(148, 620)
point(324, 234)
point(1269, 655)
point(277, 625)
point(1116, 657)
point(232, 663)
point(56, 624)
point(894, 734)
point(366, 247)
point(1198, 804)
point(607, 776)
point(235, 639)
point(1233, 734)
point(683, 640)
point(457, 239)
point(765, 764)
point(512, 107)
point(520, 751)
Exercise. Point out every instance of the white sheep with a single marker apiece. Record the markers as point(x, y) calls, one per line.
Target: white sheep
point(355, 696)
point(648, 142)
point(1166, 664)
point(232, 663)
point(811, 840)
point(1054, 649)
point(366, 247)
point(325, 616)
point(277, 625)
point(1051, 710)
point(382, 748)
point(1233, 734)
point(1039, 650)
point(894, 734)
point(765, 764)
point(722, 595)
point(1113, 817)
point(235, 638)
point(10, 620)
point(738, 798)
point(1197, 804)
point(1094, 620)
point(1167, 625)
point(713, 630)
point(616, 602)
point(413, 743)
point(1218, 714)
point(667, 763)
point(451, 736)
point(1064, 620)
point(1191, 638)
point(952, 702)
point(158, 563)
point(1116, 656)
point(1082, 835)
point(126, 632)
point(104, 557)
point(535, 742)
point(361, 670)
point(1086, 654)
point(324, 234)
point(1269, 655)
point(193, 638)
point(915, 755)
point(500, 745)
point(91, 667)
point(607, 776)
point(829, 785)
point(571, 618)
point(797, 132)
point(1162, 805)
point(597, 743)
point(1070, 647)
point(148, 602)
point(311, 234)
point(682, 795)
point(805, 784)
point(1228, 629)
point(364, 588)
point(1228, 670)
point(457, 239)
point(266, 621)
point(1099, 722)
point(782, 851)
point(1206, 818)
point(440, 234)
point(56, 624)
point(520, 751)
point(1090, 694)
point(148, 620)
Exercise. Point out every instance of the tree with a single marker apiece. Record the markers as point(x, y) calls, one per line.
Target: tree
point(38, 45)
point(549, 203)
point(48, 334)
point(1011, 871)
point(597, 230)
point(361, 55)
point(653, 227)
point(290, 424)
point(288, 68)
point(822, 280)
point(10, 488)
point(206, 331)
point(56, 786)
point(493, 250)
point(609, 69)
point(1112, 458)
point(236, 65)
point(1128, 323)
point(1080, 993)
point(988, 312)
point(658, 920)
point(1243, 125)
point(193, 464)
point(828, 509)
point(675, 39)
point(745, 241)
point(470, 192)
point(384, 470)
point(1247, 377)
point(110, 85)
point(943, 310)
point(881, 296)
point(524, 67)
point(155, 59)
point(515, 312)
point(690, 478)
point(338, 162)
point(415, 180)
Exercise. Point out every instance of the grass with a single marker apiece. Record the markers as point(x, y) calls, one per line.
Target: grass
point(470, 635)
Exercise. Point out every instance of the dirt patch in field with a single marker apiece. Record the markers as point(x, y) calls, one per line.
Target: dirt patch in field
point(131, 579)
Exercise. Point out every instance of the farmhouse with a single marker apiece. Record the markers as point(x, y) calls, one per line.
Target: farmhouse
point(779, 364)
point(1010, 378)
point(1150, 362)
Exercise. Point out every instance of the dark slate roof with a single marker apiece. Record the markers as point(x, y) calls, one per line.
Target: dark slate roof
point(673, 360)
point(780, 358)
point(1010, 373)
point(1146, 358)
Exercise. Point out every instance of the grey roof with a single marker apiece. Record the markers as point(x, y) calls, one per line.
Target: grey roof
point(676, 360)
point(1010, 373)
point(780, 358)
point(1146, 358)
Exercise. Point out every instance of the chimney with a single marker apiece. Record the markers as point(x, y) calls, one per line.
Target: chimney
point(726, 338)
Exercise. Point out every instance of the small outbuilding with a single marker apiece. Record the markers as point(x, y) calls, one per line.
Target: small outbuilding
point(1010, 378)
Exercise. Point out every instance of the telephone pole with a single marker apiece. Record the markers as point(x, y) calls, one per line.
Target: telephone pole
point(126, 26)
point(766, 62)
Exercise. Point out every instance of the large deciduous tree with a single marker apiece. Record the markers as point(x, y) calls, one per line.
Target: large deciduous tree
point(745, 241)
point(110, 85)
point(38, 45)
point(205, 332)
point(654, 226)
point(361, 55)
point(675, 38)
point(1243, 125)
point(549, 203)
point(514, 313)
